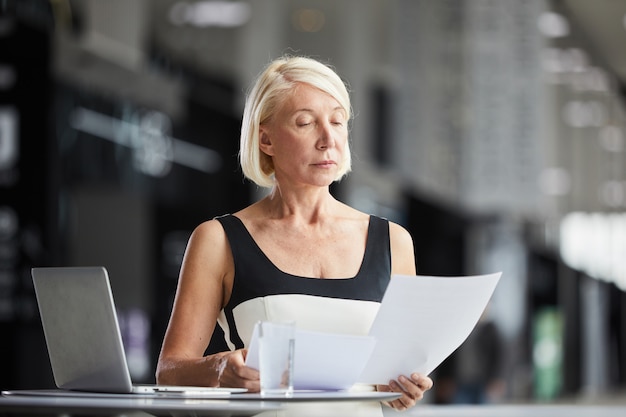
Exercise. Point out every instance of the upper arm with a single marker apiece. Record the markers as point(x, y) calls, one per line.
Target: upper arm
point(402, 250)
point(201, 292)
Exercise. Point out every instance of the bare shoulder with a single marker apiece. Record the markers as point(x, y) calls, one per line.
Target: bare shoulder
point(210, 229)
point(208, 243)
point(400, 234)
point(402, 250)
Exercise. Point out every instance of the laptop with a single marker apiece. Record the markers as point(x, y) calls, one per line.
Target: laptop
point(83, 336)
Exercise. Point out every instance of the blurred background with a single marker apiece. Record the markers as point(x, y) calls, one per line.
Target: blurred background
point(492, 129)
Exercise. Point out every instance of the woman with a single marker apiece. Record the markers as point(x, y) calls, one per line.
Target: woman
point(298, 253)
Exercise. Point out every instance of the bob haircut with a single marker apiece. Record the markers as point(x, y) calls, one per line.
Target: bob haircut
point(271, 88)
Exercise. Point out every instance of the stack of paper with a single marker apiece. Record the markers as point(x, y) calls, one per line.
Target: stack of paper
point(421, 321)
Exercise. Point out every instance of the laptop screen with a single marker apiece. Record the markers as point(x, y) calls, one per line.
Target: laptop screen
point(81, 329)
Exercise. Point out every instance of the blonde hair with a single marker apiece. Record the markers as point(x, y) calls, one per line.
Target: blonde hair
point(267, 94)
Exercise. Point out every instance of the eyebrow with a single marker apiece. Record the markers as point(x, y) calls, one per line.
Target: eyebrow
point(306, 109)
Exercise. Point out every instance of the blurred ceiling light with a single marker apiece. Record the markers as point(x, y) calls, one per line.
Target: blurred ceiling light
point(153, 148)
point(210, 13)
point(308, 20)
point(595, 243)
point(553, 25)
point(555, 182)
point(612, 138)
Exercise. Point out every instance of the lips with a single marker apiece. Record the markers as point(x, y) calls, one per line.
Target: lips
point(325, 164)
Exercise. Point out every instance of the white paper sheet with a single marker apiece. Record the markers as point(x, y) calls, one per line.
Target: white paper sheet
point(422, 320)
point(323, 361)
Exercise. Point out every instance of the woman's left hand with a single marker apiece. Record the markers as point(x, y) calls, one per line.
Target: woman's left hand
point(412, 390)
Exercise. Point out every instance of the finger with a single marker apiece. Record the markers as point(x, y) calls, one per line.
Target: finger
point(406, 400)
point(410, 388)
point(395, 403)
point(423, 382)
point(416, 386)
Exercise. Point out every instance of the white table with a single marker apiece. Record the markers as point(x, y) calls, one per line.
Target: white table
point(52, 402)
point(49, 405)
point(252, 404)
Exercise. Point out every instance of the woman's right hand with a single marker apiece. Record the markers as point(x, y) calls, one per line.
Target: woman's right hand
point(233, 373)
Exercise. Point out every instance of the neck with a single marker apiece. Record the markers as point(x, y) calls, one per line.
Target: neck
point(305, 205)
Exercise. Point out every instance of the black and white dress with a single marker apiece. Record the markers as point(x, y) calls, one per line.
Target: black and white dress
point(261, 291)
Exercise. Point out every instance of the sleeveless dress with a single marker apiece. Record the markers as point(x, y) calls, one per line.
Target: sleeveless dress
point(261, 291)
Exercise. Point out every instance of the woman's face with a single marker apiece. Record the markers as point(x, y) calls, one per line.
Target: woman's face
point(306, 138)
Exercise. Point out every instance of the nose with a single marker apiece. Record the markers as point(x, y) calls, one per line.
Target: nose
point(326, 136)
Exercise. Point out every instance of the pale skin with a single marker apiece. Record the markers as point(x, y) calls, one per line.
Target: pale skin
point(302, 229)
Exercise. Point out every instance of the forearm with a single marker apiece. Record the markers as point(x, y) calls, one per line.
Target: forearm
point(204, 371)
